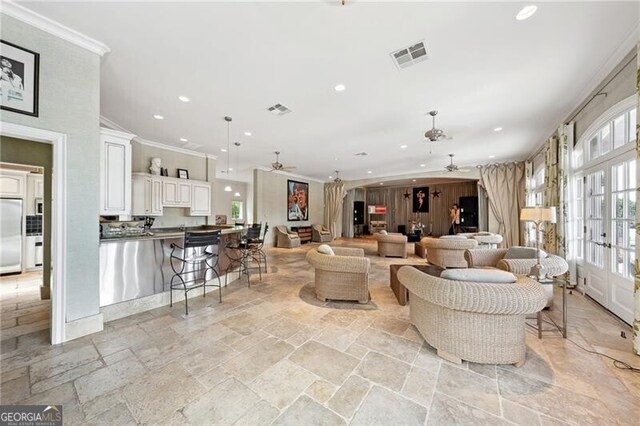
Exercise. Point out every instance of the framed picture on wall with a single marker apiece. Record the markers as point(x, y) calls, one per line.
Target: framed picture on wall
point(19, 70)
point(183, 174)
point(421, 200)
point(297, 201)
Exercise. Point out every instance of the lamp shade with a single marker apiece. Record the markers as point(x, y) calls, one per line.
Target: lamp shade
point(538, 214)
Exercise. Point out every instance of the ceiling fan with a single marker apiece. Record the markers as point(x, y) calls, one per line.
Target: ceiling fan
point(434, 134)
point(453, 168)
point(278, 166)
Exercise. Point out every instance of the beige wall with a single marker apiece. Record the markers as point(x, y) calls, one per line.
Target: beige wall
point(222, 200)
point(270, 200)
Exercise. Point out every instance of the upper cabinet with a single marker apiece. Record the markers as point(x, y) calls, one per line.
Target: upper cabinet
point(115, 172)
point(152, 193)
point(12, 185)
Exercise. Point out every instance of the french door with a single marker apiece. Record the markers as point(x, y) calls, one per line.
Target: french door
point(609, 251)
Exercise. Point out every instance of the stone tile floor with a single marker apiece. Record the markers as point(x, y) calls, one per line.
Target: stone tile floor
point(267, 355)
point(22, 310)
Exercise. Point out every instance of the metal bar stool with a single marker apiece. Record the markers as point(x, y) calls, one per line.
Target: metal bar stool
point(250, 246)
point(236, 255)
point(192, 262)
point(259, 247)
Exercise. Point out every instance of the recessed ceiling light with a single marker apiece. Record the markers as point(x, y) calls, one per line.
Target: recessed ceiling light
point(247, 133)
point(413, 180)
point(330, 177)
point(340, 87)
point(337, 159)
point(184, 98)
point(158, 117)
point(184, 140)
point(492, 156)
point(223, 149)
point(369, 171)
point(403, 146)
point(230, 169)
point(526, 12)
point(497, 129)
point(421, 165)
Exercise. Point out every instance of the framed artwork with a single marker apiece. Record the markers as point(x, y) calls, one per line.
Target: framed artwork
point(297, 201)
point(19, 69)
point(183, 174)
point(221, 219)
point(421, 200)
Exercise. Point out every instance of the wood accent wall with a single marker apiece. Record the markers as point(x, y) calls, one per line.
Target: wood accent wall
point(399, 208)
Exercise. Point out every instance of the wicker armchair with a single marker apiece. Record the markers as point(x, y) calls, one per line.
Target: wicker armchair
point(494, 258)
point(473, 321)
point(344, 276)
point(392, 244)
point(320, 234)
point(447, 253)
point(286, 238)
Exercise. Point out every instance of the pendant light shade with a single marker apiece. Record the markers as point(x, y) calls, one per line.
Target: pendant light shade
point(237, 194)
point(227, 189)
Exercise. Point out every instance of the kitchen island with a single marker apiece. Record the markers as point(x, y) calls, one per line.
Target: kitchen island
point(139, 267)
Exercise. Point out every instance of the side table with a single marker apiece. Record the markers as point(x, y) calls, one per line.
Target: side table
point(563, 328)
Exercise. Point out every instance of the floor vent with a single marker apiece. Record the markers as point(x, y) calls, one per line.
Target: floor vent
point(278, 109)
point(409, 56)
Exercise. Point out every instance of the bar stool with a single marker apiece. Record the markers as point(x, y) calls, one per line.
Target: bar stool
point(250, 246)
point(237, 259)
point(192, 262)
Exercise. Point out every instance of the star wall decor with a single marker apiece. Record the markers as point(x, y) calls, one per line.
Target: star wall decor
point(406, 195)
point(436, 194)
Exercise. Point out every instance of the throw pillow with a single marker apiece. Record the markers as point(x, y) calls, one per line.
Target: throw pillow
point(383, 232)
point(325, 249)
point(519, 252)
point(479, 275)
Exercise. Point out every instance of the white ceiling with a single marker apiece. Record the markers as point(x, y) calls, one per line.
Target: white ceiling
point(485, 70)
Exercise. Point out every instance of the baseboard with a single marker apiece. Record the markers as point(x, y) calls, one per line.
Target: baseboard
point(45, 292)
point(154, 301)
point(83, 326)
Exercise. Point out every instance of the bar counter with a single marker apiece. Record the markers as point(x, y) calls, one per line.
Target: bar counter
point(132, 267)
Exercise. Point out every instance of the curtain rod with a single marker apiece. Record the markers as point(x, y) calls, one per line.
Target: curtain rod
point(599, 92)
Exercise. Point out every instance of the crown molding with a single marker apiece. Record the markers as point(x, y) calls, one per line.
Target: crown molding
point(104, 121)
point(280, 172)
point(43, 23)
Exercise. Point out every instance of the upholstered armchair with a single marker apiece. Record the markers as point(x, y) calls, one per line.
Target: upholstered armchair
point(392, 244)
point(286, 238)
point(320, 234)
point(475, 321)
point(447, 252)
point(342, 276)
point(482, 258)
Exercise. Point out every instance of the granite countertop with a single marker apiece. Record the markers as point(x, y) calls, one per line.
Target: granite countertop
point(168, 233)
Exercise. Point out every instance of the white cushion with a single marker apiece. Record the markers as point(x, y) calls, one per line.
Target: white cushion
point(325, 249)
point(453, 237)
point(383, 232)
point(485, 233)
point(479, 275)
point(519, 252)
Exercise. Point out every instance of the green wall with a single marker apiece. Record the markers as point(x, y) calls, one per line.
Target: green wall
point(30, 153)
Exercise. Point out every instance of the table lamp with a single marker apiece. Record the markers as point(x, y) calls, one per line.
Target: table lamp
point(538, 215)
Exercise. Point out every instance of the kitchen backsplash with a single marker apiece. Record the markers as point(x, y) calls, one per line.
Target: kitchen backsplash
point(34, 225)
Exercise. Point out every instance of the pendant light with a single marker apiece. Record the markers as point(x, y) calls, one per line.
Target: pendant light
point(228, 120)
point(237, 144)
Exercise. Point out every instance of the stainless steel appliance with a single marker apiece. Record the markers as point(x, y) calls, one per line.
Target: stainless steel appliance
point(10, 235)
point(39, 251)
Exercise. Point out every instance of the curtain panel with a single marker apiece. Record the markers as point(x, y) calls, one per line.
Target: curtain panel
point(528, 198)
point(505, 186)
point(636, 319)
point(334, 193)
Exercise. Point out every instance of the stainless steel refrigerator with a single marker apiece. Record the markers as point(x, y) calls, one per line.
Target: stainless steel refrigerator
point(10, 235)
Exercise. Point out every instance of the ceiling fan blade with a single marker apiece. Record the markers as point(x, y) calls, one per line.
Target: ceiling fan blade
point(289, 168)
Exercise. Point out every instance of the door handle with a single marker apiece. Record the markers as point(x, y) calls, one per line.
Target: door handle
point(607, 245)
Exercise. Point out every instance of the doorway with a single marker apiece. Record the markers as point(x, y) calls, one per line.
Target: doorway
point(25, 240)
point(609, 241)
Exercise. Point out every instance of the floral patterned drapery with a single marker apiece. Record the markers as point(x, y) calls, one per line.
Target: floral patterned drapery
point(636, 320)
point(528, 174)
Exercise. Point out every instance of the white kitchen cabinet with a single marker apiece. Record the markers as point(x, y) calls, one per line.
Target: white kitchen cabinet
point(146, 195)
point(200, 200)
point(184, 191)
point(170, 194)
point(115, 172)
point(35, 192)
point(12, 185)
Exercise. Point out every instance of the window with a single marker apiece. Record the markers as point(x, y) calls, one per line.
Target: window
point(536, 198)
point(579, 215)
point(612, 135)
point(623, 213)
point(236, 210)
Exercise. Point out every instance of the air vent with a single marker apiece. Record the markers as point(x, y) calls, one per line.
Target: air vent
point(278, 109)
point(360, 154)
point(411, 55)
